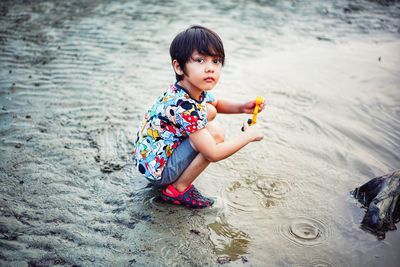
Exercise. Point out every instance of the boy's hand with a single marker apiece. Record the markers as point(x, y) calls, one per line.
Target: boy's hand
point(249, 106)
point(253, 131)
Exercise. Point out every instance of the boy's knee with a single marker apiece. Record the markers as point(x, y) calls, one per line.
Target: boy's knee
point(211, 112)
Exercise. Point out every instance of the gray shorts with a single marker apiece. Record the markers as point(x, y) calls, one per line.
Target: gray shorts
point(180, 159)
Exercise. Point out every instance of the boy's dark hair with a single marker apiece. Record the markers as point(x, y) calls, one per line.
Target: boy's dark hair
point(199, 38)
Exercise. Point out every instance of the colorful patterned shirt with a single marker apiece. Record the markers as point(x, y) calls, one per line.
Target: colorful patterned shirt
point(171, 119)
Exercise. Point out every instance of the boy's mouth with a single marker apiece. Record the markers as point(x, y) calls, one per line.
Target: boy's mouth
point(209, 79)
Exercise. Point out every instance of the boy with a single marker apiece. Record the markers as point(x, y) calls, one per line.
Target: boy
point(179, 137)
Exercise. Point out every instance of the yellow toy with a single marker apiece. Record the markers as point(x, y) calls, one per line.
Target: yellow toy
point(259, 101)
point(253, 120)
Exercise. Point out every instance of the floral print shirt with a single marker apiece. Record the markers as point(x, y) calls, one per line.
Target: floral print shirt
point(171, 119)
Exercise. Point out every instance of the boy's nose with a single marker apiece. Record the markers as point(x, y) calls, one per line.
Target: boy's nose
point(209, 67)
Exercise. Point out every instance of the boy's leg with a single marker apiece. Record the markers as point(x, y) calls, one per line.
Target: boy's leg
point(194, 169)
point(199, 163)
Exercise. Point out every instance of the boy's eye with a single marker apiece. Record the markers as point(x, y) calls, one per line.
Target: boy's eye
point(217, 61)
point(200, 60)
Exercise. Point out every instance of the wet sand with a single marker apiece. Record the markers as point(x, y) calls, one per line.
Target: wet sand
point(77, 77)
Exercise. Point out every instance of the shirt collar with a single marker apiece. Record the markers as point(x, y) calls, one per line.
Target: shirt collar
point(202, 96)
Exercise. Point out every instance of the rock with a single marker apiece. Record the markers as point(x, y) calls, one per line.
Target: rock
point(106, 169)
point(244, 259)
point(194, 231)
point(223, 259)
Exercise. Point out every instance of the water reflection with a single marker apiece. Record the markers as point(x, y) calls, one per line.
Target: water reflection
point(227, 240)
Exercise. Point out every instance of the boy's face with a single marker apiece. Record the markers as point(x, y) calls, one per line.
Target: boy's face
point(202, 72)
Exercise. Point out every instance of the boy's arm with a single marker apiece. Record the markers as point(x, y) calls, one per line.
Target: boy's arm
point(205, 143)
point(232, 107)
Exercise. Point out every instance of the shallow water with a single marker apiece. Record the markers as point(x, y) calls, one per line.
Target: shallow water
point(77, 77)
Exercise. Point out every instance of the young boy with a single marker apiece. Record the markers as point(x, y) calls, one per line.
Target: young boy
point(179, 137)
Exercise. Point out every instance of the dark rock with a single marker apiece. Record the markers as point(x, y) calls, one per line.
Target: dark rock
point(106, 168)
point(18, 145)
point(223, 259)
point(146, 217)
point(194, 231)
point(321, 38)
point(117, 166)
point(118, 210)
point(352, 8)
point(244, 259)
point(347, 10)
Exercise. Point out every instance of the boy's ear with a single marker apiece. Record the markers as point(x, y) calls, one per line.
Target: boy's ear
point(176, 67)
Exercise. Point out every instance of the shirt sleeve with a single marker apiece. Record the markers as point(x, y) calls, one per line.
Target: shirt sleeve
point(210, 97)
point(190, 118)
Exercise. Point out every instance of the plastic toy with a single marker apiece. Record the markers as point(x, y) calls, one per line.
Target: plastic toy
point(253, 120)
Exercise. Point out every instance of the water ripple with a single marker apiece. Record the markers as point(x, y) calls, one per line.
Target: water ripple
point(305, 231)
point(320, 263)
